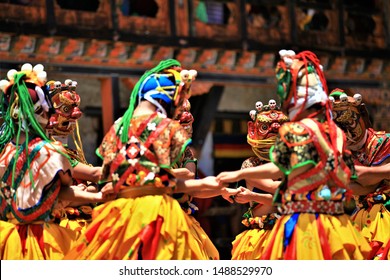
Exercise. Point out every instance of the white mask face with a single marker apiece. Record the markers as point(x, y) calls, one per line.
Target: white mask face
point(314, 95)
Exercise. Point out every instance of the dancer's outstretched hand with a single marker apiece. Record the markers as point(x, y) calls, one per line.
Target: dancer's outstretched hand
point(244, 196)
point(229, 176)
point(211, 182)
point(229, 194)
point(81, 187)
point(107, 192)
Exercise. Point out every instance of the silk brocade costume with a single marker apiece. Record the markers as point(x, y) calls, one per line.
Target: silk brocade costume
point(313, 224)
point(372, 216)
point(145, 221)
point(28, 231)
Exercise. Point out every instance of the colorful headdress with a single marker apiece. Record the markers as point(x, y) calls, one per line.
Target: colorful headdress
point(262, 131)
point(350, 114)
point(25, 106)
point(185, 117)
point(301, 82)
point(164, 82)
point(64, 120)
point(66, 102)
point(24, 103)
point(161, 87)
point(169, 86)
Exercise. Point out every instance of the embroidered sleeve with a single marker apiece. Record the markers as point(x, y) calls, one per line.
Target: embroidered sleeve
point(107, 151)
point(108, 148)
point(171, 144)
point(379, 147)
point(47, 163)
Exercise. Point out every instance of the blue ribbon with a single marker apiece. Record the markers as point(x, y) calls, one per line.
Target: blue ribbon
point(289, 229)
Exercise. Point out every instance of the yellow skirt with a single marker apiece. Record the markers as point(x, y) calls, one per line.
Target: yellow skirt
point(206, 246)
point(75, 223)
point(375, 226)
point(249, 244)
point(307, 237)
point(42, 241)
point(146, 227)
point(79, 226)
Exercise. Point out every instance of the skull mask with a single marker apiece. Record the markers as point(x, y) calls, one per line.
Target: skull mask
point(351, 115)
point(66, 103)
point(263, 129)
point(259, 105)
point(272, 104)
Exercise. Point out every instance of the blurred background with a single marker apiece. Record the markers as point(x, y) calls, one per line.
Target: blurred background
point(106, 46)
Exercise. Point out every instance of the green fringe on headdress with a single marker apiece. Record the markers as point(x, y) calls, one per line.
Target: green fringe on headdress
point(124, 123)
point(26, 120)
point(19, 93)
point(7, 128)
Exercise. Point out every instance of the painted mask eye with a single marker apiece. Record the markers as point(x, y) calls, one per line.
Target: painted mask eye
point(66, 109)
point(264, 127)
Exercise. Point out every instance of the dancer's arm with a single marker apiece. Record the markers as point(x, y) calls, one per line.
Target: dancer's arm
point(226, 193)
point(192, 185)
point(264, 171)
point(358, 189)
point(182, 173)
point(267, 185)
point(86, 172)
point(372, 175)
point(75, 194)
point(246, 196)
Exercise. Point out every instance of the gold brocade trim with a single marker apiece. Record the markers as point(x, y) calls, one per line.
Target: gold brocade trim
point(330, 207)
